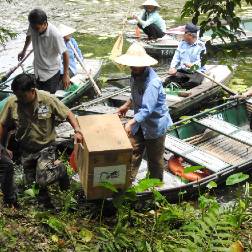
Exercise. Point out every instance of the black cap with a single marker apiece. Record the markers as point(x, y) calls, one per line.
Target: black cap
point(191, 28)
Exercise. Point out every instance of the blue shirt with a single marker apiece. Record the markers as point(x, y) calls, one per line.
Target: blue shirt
point(188, 53)
point(147, 18)
point(149, 103)
point(72, 62)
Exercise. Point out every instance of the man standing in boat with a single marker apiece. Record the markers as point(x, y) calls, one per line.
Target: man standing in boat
point(147, 129)
point(150, 21)
point(187, 55)
point(32, 114)
point(48, 46)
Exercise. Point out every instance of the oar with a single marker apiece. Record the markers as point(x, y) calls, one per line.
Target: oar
point(230, 91)
point(118, 46)
point(96, 88)
point(85, 105)
point(12, 70)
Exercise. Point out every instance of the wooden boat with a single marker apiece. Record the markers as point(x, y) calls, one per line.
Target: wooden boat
point(198, 96)
point(80, 80)
point(219, 139)
point(161, 48)
point(9, 58)
point(165, 47)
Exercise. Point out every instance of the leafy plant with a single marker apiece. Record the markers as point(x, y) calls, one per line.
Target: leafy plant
point(236, 178)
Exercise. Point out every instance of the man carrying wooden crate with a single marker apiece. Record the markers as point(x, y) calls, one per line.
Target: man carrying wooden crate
point(151, 117)
point(32, 114)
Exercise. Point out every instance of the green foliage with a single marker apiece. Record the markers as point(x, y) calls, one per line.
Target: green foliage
point(193, 168)
point(214, 16)
point(33, 191)
point(211, 185)
point(70, 202)
point(109, 186)
point(57, 225)
point(5, 33)
point(236, 178)
point(146, 184)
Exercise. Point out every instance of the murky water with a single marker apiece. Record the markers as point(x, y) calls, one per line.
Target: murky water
point(98, 22)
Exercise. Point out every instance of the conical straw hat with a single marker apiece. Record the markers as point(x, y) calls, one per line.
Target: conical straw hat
point(65, 30)
point(150, 2)
point(136, 56)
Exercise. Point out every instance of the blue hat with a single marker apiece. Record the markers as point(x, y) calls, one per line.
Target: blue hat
point(191, 28)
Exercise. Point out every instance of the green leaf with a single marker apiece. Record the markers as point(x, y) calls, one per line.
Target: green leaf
point(108, 186)
point(57, 225)
point(193, 168)
point(211, 185)
point(30, 192)
point(236, 178)
point(146, 184)
point(86, 235)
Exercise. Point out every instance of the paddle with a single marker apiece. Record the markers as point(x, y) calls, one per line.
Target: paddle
point(85, 105)
point(230, 91)
point(12, 70)
point(118, 46)
point(96, 88)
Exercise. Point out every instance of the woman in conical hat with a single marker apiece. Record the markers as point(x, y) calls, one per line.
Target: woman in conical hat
point(151, 117)
point(150, 21)
point(66, 32)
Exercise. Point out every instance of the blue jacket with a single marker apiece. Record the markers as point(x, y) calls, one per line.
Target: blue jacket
point(72, 62)
point(149, 103)
point(187, 53)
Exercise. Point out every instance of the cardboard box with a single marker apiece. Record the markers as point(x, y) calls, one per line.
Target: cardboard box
point(106, 155)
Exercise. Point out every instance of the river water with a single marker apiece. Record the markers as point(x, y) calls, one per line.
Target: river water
point(98, 22)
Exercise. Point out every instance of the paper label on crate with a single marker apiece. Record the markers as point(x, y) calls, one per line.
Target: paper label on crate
point(115, 174)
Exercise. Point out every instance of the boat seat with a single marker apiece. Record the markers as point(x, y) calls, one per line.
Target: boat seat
point(227, 129)
point(194, 154)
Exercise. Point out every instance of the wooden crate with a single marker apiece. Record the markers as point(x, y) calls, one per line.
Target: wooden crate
point(106, 155)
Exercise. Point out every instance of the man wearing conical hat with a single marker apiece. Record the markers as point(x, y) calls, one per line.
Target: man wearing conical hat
point(151, 117)
point(150, 21)
point(66, 32)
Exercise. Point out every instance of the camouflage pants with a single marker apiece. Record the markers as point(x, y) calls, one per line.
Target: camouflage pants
point(42, 167)
point(7, 176)
point(154, 150)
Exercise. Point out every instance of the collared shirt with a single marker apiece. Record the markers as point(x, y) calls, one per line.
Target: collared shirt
point(149, 103)
point(153, 17)
point(188, 53)
point(72, 62)
point(37, 130)
point(48, 48)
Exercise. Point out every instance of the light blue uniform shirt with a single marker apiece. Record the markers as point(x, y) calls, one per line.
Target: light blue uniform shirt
point(149, 103)
point(188, 53)
point(152, 18)
point(72, 62)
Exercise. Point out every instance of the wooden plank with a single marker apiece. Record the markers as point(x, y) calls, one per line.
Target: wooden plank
point(194, 154)
point(227, 129)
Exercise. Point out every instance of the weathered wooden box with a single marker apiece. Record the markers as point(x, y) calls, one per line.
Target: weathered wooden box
point(106, 155)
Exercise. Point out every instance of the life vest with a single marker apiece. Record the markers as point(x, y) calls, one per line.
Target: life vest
point(175, 165)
